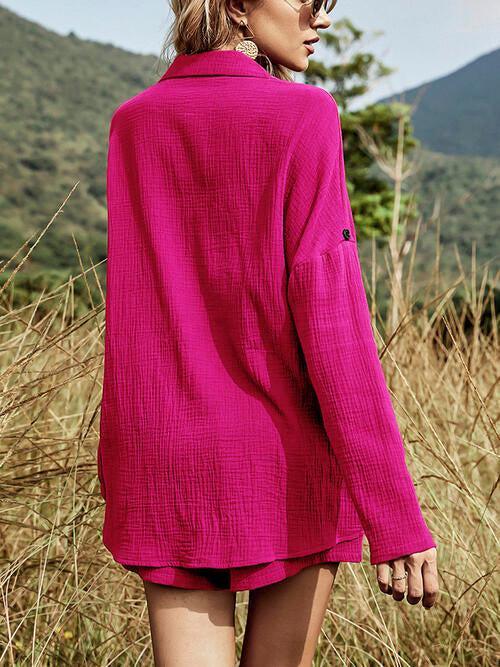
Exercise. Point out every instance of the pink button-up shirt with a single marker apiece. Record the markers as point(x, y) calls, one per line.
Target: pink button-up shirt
point(245, 415)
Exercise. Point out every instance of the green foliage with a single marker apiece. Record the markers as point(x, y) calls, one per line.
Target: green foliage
point(48, 289)
point(467, 193)
point(350, 76)
point(370, 192)
point(467, 187)
point(57, 95)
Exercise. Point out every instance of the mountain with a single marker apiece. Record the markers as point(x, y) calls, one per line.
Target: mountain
point(459, 114)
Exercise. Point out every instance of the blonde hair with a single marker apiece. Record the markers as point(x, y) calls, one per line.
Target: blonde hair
point(204, 25)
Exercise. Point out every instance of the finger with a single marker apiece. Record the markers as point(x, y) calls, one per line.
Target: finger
point(430, 581)
point(384, 578)
point(415, 580)
point(399, 579)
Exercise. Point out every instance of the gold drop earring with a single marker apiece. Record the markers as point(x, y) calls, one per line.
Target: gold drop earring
point(250, 48)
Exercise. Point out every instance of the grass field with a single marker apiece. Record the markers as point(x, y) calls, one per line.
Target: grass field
point(65, 601)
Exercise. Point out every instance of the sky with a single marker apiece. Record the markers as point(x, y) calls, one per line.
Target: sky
point(422, 40)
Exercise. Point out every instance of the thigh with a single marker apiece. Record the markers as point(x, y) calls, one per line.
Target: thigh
point(190, 628)
point(284, 619)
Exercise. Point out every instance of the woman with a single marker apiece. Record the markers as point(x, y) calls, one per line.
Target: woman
point(248, 439)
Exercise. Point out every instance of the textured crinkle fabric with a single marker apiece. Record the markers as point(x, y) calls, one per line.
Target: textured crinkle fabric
point(245, 417)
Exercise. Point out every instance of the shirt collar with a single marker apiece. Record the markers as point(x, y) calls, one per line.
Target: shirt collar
point(215, 63)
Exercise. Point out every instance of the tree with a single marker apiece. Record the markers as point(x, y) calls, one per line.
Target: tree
point(370, 135)
point(376, 140)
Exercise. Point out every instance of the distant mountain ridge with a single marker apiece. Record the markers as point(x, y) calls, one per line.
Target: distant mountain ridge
point(459, 114)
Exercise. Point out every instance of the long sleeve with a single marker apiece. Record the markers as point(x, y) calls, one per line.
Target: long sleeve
point(331, 313)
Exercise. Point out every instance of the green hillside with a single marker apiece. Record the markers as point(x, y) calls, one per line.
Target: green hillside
point(467, 191)
point(463, 195)
point(57, 94)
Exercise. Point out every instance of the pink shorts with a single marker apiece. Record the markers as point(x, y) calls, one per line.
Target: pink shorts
point(247, 577)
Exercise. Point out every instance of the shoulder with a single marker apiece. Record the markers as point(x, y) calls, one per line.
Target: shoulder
point(310, 100)
point(312, 118)
point(309, 113)
point(132, 108)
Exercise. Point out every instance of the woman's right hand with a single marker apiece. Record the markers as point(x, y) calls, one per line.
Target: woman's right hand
point(419, 569)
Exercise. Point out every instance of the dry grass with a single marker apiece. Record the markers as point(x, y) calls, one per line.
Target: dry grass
point(65, 600)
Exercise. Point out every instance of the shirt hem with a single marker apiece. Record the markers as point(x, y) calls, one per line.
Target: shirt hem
point(257, 560)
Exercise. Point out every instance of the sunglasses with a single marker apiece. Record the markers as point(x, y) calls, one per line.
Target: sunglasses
point(315, 5)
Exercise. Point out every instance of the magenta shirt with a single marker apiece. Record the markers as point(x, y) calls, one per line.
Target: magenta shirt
point(245, 415)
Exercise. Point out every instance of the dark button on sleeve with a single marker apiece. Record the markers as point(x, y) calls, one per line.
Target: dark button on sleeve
point(346, 233)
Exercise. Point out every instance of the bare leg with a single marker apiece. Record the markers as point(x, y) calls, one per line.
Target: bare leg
point(190, 628)
point(284, 619)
